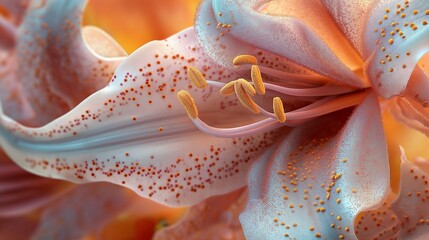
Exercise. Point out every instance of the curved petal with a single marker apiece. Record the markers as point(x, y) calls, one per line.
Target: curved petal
point(408, 112)
point(15, 9)
point(22, 192)
point(328, 170)
point(83, 211)
point(395, 41)
point(286, 36)
point(422, 163)
point(215, 218)
point(404, 216)
point(53, 59)
point(135, 132)
point(351, 17)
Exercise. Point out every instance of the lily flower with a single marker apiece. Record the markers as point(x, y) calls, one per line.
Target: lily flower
point(305, 135)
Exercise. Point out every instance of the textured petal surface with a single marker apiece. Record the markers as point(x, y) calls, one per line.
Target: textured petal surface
point(298, 42)
point(135, 132)
point(328, 171)
point(214, 219)
point(57, 66)
point(395, 41)
point(351, 17)
point(404, 216)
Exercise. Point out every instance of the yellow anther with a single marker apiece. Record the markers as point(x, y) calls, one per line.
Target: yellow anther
point(244, 98)
point(279, 110)
point(228, 89)
point(257, 80)
point(245, 59)
point(188, 102)
point(197, 77)
point(247, 87)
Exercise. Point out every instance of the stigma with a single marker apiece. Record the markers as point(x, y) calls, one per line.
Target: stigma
point(325, 97)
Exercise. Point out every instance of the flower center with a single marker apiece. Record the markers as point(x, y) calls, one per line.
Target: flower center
point(329, 98)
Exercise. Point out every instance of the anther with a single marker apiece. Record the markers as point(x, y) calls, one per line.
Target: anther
point(197, 77)
point(244, 97)
point(189, 103)
point(244, 59)
point(247, 87)
point(257, 80)
point(278, 109)
point(228, 89)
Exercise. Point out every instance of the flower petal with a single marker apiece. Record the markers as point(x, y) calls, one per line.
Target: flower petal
point(320, 177)
point(82, 211)
point(286, 36)
point(56, 65)
point(413, 108)
point(351, 18)
point(395, 41)
point(22, 192)
point(404, 216)
point(136, 133)
point(15, 10)
point(215, 218)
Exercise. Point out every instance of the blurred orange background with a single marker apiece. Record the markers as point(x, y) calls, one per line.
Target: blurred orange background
point(135, 22)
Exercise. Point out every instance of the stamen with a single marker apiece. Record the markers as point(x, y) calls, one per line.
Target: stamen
point(257, 80)
point(294, 118)
point(196, 77)
point(189, 103)
point(244, 59)
point(244, 97)
point(325, 90)
point(278, 109)
point(247, 87)
point(303, 79)
point(228, 89)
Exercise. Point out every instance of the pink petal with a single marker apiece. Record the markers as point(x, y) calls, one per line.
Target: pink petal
point(135, 132)
point(422, 163)
point(83, 211)
point(404, 216)
point(413, 108)
point(22, 192)
point(325, 172)
point(55, 63)
point(286, 36)
point(215, 218)
point(395, 41)
point(16, 9)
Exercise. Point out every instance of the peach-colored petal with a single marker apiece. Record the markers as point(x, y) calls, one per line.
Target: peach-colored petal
point(214, 219)
point(322, 173)
point(351, 17)
point(242, 29)
point(404, 216)
point(135, 132)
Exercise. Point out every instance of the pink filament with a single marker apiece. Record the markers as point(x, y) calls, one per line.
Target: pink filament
point(322, 107)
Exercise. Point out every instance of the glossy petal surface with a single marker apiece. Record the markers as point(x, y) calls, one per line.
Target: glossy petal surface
point(135, 132)
point(328, 170)
point(54, 61)
point(395, 41)
point(405, 215)
point(287, 36)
